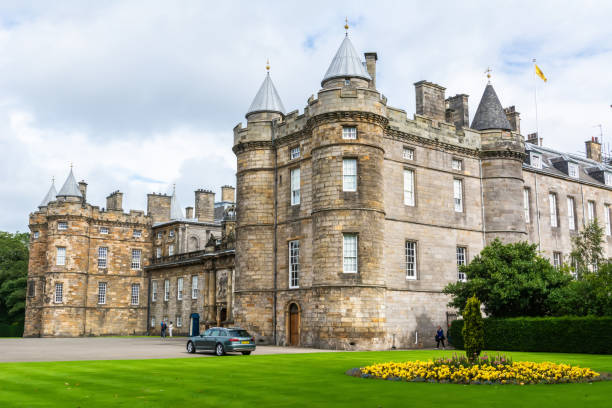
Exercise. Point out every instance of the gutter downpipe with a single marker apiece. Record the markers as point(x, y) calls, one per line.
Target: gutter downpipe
point(537, 210)
point(482, 206)
point(275, 247)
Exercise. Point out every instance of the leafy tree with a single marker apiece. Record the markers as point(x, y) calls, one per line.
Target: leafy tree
point(13, 276)
point(510, 279)
point(587, 248)
point(473, 329)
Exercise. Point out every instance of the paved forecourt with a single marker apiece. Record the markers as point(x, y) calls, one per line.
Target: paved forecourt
point(112, 348)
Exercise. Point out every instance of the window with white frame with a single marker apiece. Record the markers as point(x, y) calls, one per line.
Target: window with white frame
point(591, 210)
point(153, 291)
point(294, 264)
point(349, 132)
point(295, 153)
point(166, 290)
point(170, 250)
point(137, 233)
point(179, 321)
point(572, 170)
point(571, 217)
point(59, 292)
point(60, 259)
point(153, 321)
point(409, 187)
point(457, 164)
point(552, 201)
point(102, 257)
point(36, 234)
point(408, 153)
point(536, 161)
point(158, 252)
point(526, 204)
point(135, 294)
point(179, 288)
point(461, 261)
point(349, 174)
point(458, 194)
point(574, 269)
point(347, 82)
point(136, 254)
point(62, 225)
point(411, 260)
point(607, 218)
point(171, 234)
point(295, 186)
point(557, 259)
point(608, 178)
point(101, 293)
point(194, 287)
point(349, 253)
point(104, 230)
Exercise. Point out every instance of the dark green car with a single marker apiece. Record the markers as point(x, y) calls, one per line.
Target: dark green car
point(222, 340)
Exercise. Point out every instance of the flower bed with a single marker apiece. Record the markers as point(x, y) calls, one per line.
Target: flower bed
point(485, 370)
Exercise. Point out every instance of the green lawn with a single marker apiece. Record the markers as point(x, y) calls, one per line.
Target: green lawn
point(299, 380)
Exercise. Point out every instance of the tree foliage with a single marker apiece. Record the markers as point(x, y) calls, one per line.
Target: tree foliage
point(510, 279)
point(13, 276)
point(587, 248)
point(473, 328)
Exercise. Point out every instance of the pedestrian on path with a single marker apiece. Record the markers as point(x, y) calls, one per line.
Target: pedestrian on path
point(170, 328)
point(163, 329)
point(440, 338)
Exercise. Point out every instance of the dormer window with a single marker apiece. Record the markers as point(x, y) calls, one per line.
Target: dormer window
point(572, 170)
point(536, 161)
point(608, 178)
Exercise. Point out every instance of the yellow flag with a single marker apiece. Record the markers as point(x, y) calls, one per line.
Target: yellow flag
point(540, 73)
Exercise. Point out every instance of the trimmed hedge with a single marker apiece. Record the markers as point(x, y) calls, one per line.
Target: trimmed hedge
point(592, 335)
point(11, 330)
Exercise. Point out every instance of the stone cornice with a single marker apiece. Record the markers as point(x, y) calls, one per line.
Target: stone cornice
point(398, 135)
point(503, 154)
point(255, 145)
point(344, 116)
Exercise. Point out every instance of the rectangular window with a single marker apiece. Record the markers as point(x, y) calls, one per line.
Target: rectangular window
point(295, 153)
point(153, 321)
point(154, 291)
point(166, 290)
point(571, 219)
point(137, 233)
point(36, 234)
point(552, 200)
point(101, 293)
point(607, 218)
point(411, 260)
point(158, 253)
point(179, 288)
point(349, 132)
point(102, 257)
point(574, 270)
point(408, 153)
point(103, 230)
point(294, 264)
point(572, 170)
point(194, 287)
point(136, 253)
point(171, 234)
point(159, 235)
point(536, 161)
point(295, 186)
point(349, 174)
point(557, 262)
point(409, 187)
point(170, 250)
point(526, 204)
point(59, 292)
point(31, 288)
point(179, 321)
point(135, 294)
point(461, 260)
point(349, 252)
point(61, 256)
point(458, 194)
point(457, 164)
point(591, 210)
point(62, 225)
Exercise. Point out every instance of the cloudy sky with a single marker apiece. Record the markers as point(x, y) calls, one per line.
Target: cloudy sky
point(143, 94)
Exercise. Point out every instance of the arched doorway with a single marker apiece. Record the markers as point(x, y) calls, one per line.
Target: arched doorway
point(294, 325)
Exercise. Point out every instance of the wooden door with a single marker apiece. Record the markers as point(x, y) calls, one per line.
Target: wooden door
point(294, 325)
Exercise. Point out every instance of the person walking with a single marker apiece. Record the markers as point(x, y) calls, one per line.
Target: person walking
point(440, 338)
point(170, 328)
point(163, 329)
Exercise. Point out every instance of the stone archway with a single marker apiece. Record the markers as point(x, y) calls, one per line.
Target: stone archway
point(293, 318)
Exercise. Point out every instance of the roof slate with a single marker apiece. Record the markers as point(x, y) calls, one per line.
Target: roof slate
point(70, 187)
point(51, 195)
point(490, 114)
point(267, 99)
point(346, 63)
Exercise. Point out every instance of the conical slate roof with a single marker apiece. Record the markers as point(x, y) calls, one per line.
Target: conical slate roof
point(70, 187)
point(346, 63)
point(267, 99)
point(176, 213)
point(490, 114)
point(50, 196)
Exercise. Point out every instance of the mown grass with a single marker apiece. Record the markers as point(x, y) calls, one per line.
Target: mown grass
point(298, 380)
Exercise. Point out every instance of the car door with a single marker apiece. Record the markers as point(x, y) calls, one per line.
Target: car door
point(201, 339)
point(211, 339)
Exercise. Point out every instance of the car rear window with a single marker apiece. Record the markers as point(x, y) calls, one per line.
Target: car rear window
point(239, 333)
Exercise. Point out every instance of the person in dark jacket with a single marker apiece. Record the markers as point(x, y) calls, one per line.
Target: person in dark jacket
point(163, 329)
point(440, 338)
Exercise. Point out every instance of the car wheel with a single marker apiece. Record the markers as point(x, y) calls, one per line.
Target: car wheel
point(246, 353)
point(219, 350)
point(190, 347)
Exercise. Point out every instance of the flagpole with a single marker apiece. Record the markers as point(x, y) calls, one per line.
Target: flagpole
point(535, 98)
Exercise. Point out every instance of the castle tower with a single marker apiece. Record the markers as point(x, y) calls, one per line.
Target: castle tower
point(255, 182)
point(502, 170)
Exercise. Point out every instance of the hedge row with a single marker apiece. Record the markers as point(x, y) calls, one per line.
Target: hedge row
point(10, 330)
point(591, 335)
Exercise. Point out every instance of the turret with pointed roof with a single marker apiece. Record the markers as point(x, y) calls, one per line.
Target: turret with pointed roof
point(50, 196)
point(267, 98)
point(176, 212)
point(346, 64)
point(70, 188)
point(490, 114)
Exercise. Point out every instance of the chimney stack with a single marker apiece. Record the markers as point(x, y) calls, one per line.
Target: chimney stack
point(457, 111)
point(514, 118)
point(593, 149)
point(371, 58)
point(532, 138)
point(228, 194)
point(115, 201)
point(205, 205)
point(430, 100)
point(83, 190)
point(189, 212)
point(158, 207)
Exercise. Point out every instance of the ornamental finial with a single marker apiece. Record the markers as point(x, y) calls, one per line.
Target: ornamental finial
point(346, 25)
point(268, 64)
point(488, 72)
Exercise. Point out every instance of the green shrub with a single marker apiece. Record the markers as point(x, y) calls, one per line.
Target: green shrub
point(589, 334)
point(11, 330)
point(472, 328)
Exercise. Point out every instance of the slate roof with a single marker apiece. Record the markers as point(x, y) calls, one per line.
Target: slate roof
point(70, 187)
point(267, 99)
point(490, 114)
point(50, 196)
point(346, 63)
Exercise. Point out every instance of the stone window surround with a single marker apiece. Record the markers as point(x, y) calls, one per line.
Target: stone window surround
point(527, 204)
point(292, 271)
point(60, 260)
point(137, 233)
point(180, 283)
point(135, 294)
point(416, 259)
point(356, 234)
point(104, 230)
point(295, 152)
point(166, 290)
point(351, 157)
point(194, 286)
point(102, 257)
point(411, 156)
point(552, 194)
point(591, 215)
point(153, 290)
point(456, 164)
point(58, 295)
point(62, 225)
point(557, 259)
point(462, 186)
point(347, 131)
point(136, 261)
point(465, 260)
point(295, 199)
point(414, 186)
point(102, 289)
point(571, 217)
